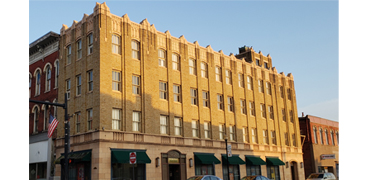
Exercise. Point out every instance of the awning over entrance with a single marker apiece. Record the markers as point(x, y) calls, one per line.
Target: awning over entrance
point(274, 161)
point(122, 156)
point(76, 156)
point(233, 160)
point(205, 158)
point(254, 160)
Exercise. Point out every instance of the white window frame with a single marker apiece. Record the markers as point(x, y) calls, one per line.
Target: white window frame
point(220, 102)
point(218, 72)
point(194, 96)
point(77, 122)
point(116, 119)
point(206, 99)
point(175, 62)
point(78, 82)
point(90, 43)
point(178, 126)
point(163, 90)
point(241, 80)
point(136, 121)
point(136, 84)
point(67, 88)
point(164, 124)
point(116, 80)
point(221, 131)
point(192, 66)
point(135, 49)
point(177, 93)
point(79, 49)
point(204, 70)
point(195, 128)
point(207, 130)
point(89, 119)
point(228, 77)
point(115, 41)
point(162, 58)
point(90, 80)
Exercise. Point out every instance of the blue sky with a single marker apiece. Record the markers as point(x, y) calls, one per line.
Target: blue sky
point(301, 36)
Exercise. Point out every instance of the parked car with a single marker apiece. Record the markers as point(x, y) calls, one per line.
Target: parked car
point(256, 177)
point(321, 176)
point(204, 177)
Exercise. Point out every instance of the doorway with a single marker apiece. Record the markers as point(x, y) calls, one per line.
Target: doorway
point(173, 165)
point(174, 171)
point(294, 170)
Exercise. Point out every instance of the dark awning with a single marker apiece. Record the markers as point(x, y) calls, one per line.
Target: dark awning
point(205, 158)
point(75, 156)
point(122, 156)
point(234, 160)
point(254, 160)
point(274, 161)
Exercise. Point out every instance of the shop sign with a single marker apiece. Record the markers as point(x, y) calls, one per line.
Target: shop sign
point(173, 160)
point(328, 156)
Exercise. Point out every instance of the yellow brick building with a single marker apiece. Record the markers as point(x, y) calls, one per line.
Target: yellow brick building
point(132, 88)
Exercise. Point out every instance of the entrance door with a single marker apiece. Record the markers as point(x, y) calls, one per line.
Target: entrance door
point(294, 170)
point(174, 171)
point(173, 165)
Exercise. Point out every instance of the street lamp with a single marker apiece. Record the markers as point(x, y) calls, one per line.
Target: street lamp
point(227, 158)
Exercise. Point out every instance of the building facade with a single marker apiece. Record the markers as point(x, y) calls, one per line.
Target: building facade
point(321, 145)
point(43, 74)
point(131, 88)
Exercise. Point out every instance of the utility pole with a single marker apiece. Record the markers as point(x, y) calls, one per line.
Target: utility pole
point(67, 131)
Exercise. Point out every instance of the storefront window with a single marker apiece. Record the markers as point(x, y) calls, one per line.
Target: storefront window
point(273, 172)
point(234, 172)
point(204, 169)
point(253, 170)
point(121, 171)
point(37, 171)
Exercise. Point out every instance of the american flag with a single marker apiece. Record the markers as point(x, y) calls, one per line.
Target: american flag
point(53, 122)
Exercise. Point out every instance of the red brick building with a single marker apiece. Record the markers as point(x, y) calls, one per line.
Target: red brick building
point(321, 145)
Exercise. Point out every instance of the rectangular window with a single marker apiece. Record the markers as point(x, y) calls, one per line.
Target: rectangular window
point(175, 62)
point(230, 104)
point(193, 96)
point(294, 140)
point(48, 79)
point(232, 133)
point(245, 135)
point(221, 131)
point(291, 113)
point(163, 90)
point(195, 128)
point(178, 125)
point(260, 86)
point(218, 72)
point(116, 80)
point(77, 121)
point(204, 70)
point(263, 110)
point(67, 87)
point(282, 91)
point(79, 49)
point(115, 40)
point(241, 80)
point(90, 43)
point(254, 135)
point(268, 88)
point(69, 54)
point(90, 80)
point(265, 137)
point(116, 119)
point(161, 58)
point(270, 112)
point(220, 102)
point(206, 99)
point(283, 114)
point(89, 119)
point(136, 121)
point(79, 85)
point(273, 137)
point(207, 130)
point(228, 76)
point(266, 65)
point(286, 135)
point(252, 110)
point(289, 93)
point(192, 67)
point(164, 125)
point(135, 50)
point(177, 93)
point(243, 109)
point(250, 83)
point(136, 84)
point(258, 62)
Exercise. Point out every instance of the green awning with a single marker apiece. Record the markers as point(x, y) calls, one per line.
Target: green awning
point(205, 158)
point(84, 156)
point(233, 160)
point(254, 160)
point(122, 156)
point(274, 161)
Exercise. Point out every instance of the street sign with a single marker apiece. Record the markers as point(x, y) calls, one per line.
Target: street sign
point(132, 158)
point(229, 154)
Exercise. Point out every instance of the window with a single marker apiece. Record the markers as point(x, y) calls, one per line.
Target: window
point(221, 131)
point(136, 126)
point(206, 99)
point(116, 44)
point(230, 104)
point(258, 62)
point(260, 86)
point(116, 81)
point(193, 96)
point(243, 109)
point(79, 49)
point(56, 73)
point(35, 119)
point(268, 88)
point(253, 170)
point(294, 140)
point(161, 58)
point(321, 135)
point(38, 83)
point(282, 91)
point(136, 85)
point(265, 136)
point(270, 112)
point(232, 133)
point(67, 90)
point(291, 113)
point(30, 84)
point(44, 118)
point(286, 135)
point(332, 137)
point(175, 62)
point(337, 137)
point(220, 102)
point(254, 135)
point(164, 128)
point(273, 137)
point(78, 81)
point(289, 93)
point(89, 119)
point(195, 128)
point(207, 130)
point(315, 135)
point(135, 50)
point(177, 93)
point(283, 114)
point(228, 76)
point(241, 80)
point(266, 65)
point(78, 121)
point(163, 90)
point(68, 54)
point(218, 72)
point(178, 124)
point(263, 111)
point(326, 134)
point(252, 110)
point(204, 70)
point(90, 80)
point(116, 119)
point(48, 78)
point(250, 83)
point(245, 135)
point(90, 43)
point(192, 67)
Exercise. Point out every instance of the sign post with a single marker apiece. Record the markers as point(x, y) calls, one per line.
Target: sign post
point(133, 160)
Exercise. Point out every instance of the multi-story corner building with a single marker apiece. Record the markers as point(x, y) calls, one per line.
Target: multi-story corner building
point(43, 75)
point(321, 145)
point(132, 88)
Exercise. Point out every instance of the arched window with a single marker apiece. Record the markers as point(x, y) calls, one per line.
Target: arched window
point(30, 84)
point(332, 137)
point(337, 137)
point(315, 135)
point(326, 134)
point(161, 58)
point(48, 78)
point(135, 50)
point(321, 134)
point(38, 83)
point(175, 62)
point(35, 119)
point(56, 64)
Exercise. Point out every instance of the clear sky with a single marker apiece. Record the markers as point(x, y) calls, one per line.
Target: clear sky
point(301, 36)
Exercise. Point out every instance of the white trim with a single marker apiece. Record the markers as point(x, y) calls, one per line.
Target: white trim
point(47, 51)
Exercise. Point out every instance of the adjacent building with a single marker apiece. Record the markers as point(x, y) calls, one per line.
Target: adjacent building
point(131, 88)
point(321, 145)
point(43, 86)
